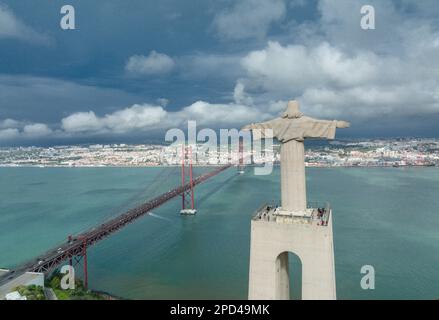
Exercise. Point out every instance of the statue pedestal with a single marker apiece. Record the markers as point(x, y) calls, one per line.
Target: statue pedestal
point(292, 176)
point(309, 237)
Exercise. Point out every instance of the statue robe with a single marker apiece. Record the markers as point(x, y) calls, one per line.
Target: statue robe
point(292, 132)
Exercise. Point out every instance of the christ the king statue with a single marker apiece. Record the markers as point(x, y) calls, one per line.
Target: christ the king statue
point(291, 130)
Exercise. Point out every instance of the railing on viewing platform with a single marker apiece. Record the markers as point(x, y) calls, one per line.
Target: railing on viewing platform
point(259, 212)
point(320, 213)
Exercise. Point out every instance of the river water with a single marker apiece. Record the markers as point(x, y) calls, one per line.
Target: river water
point(384, 217)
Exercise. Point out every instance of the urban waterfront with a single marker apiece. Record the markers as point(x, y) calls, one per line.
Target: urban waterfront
point(384, 217)
point(338, 153)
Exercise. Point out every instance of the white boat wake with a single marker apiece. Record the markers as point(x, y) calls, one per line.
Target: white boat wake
point(158, 217)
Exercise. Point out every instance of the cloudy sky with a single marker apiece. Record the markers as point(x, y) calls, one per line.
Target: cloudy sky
point(133, 69)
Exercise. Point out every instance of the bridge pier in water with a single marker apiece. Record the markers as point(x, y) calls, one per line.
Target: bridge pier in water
point(187, 197)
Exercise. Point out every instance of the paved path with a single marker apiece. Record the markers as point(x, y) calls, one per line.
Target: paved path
point(50, 294)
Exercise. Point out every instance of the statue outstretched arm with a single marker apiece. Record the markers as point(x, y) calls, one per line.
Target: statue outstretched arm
point(262, 125)
point(262, 130)
point(338, 123)
point(317, 128)
point(343, 124)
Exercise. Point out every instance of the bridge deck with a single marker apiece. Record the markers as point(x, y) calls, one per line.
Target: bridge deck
point(54, 257)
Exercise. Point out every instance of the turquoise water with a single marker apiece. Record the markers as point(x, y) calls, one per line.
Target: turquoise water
point(385, 217)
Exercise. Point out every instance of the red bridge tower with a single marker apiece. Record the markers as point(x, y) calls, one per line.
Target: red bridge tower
point(187, 197)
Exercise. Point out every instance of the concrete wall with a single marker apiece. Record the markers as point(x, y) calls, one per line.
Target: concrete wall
point(27, 279)
point(3, 271)
point(270, 241)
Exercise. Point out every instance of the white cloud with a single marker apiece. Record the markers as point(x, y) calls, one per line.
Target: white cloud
point(137, 117)
point(9, 134)
point(153, 64)
point(12, 27)
point(221, 115)
point(140, 118)
point(82, 122)
point(36, 130)
point(249, 19)
point(336, 70)
point(370, 101)
point(149, 117)
point(330, 83)
point(163, 102)
point(9, 123)
point(343, 70)
point(47, 100)
point(240, 96)
point(297, 67)
point(11, 129)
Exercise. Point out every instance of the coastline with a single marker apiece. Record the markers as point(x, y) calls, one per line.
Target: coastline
point(218, 165)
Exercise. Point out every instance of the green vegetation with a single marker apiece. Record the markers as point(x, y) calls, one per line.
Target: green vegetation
point(79, 293)
point(32, 292)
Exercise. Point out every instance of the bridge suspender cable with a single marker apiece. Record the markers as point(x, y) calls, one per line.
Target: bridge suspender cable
point(76, 246)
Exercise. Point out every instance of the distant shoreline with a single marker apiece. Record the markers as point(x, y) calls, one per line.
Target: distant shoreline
point(210, 165)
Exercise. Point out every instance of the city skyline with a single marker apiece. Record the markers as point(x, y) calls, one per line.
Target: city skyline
point(337, 153)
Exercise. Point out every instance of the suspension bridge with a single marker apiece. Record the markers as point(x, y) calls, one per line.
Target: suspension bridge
point(74, 251)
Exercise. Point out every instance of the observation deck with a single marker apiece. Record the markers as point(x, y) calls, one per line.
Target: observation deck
point(316, 214)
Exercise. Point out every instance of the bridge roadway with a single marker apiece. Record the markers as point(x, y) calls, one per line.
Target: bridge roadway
point(75, 246)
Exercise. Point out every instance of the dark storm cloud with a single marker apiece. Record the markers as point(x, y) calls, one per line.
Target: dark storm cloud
point(235, 61)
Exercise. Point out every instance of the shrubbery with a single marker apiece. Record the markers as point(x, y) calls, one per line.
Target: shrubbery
point(79, 293)
point(32, 292)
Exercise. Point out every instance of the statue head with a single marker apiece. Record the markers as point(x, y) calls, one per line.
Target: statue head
point(293, 111)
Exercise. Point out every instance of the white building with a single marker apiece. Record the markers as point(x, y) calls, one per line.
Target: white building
point(15, 296)
point(26, 279)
